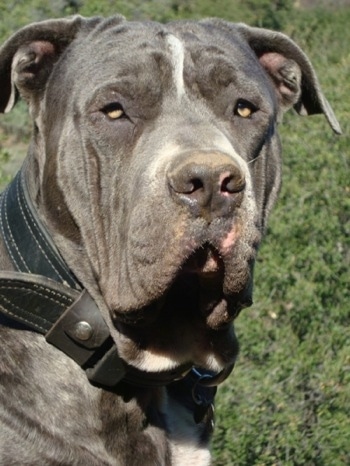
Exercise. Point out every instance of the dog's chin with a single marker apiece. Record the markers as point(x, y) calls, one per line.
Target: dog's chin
point(190, 323)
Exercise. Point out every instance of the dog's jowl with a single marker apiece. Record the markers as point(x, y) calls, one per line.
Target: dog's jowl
point(128, 238)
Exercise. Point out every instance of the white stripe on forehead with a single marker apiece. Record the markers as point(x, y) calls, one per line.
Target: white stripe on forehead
point(177, 60)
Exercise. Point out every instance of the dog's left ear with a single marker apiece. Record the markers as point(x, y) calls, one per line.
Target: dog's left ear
point(289, 68)
point(291, 71)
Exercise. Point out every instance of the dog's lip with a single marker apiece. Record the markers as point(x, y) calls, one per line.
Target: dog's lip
point(139, 317)
point(205, 261)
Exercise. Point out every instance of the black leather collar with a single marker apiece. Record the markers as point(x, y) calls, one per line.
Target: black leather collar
point(44, 295)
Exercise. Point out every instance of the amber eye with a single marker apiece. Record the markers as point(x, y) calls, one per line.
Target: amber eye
point(114, 111)
point(244, 109)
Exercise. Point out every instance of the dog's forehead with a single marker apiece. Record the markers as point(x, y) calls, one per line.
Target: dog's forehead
point(157, 53)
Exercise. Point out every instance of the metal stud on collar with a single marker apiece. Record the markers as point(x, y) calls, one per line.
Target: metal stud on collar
point(83, 330)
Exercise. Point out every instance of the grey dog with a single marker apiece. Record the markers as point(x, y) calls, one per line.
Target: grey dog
point(128, 238)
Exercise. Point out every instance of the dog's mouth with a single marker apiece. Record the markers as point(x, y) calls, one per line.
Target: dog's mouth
point(189, 323)
point(195, 293)
point(205, 262)
point(204, 272)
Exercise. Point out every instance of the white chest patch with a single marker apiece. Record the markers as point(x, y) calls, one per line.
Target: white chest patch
point(177, 60)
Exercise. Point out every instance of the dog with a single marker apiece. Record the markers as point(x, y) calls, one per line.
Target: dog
point(128, 237)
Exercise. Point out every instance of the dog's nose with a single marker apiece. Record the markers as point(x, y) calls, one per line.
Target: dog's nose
point(209, 185)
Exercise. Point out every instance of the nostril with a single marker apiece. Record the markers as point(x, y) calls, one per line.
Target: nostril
point(189, 179)
point(196, 185)
point(181, 185)
point(231, 184)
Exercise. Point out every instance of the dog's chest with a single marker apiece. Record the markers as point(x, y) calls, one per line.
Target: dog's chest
point(53, 411)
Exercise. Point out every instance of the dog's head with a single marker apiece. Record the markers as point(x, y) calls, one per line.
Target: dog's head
point(154, 163)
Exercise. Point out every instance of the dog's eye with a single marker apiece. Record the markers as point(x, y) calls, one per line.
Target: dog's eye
point(244, 109)
point(114, 111)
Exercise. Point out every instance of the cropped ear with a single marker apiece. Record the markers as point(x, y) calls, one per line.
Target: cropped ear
point(291, 72)
point(27, 58)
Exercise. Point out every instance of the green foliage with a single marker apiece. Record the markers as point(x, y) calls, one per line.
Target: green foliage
point(4, 157)
point(288, 401)
point(289, 398)
point(17, 13)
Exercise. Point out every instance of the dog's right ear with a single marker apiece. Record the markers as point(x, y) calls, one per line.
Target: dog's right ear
point(27, 58)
